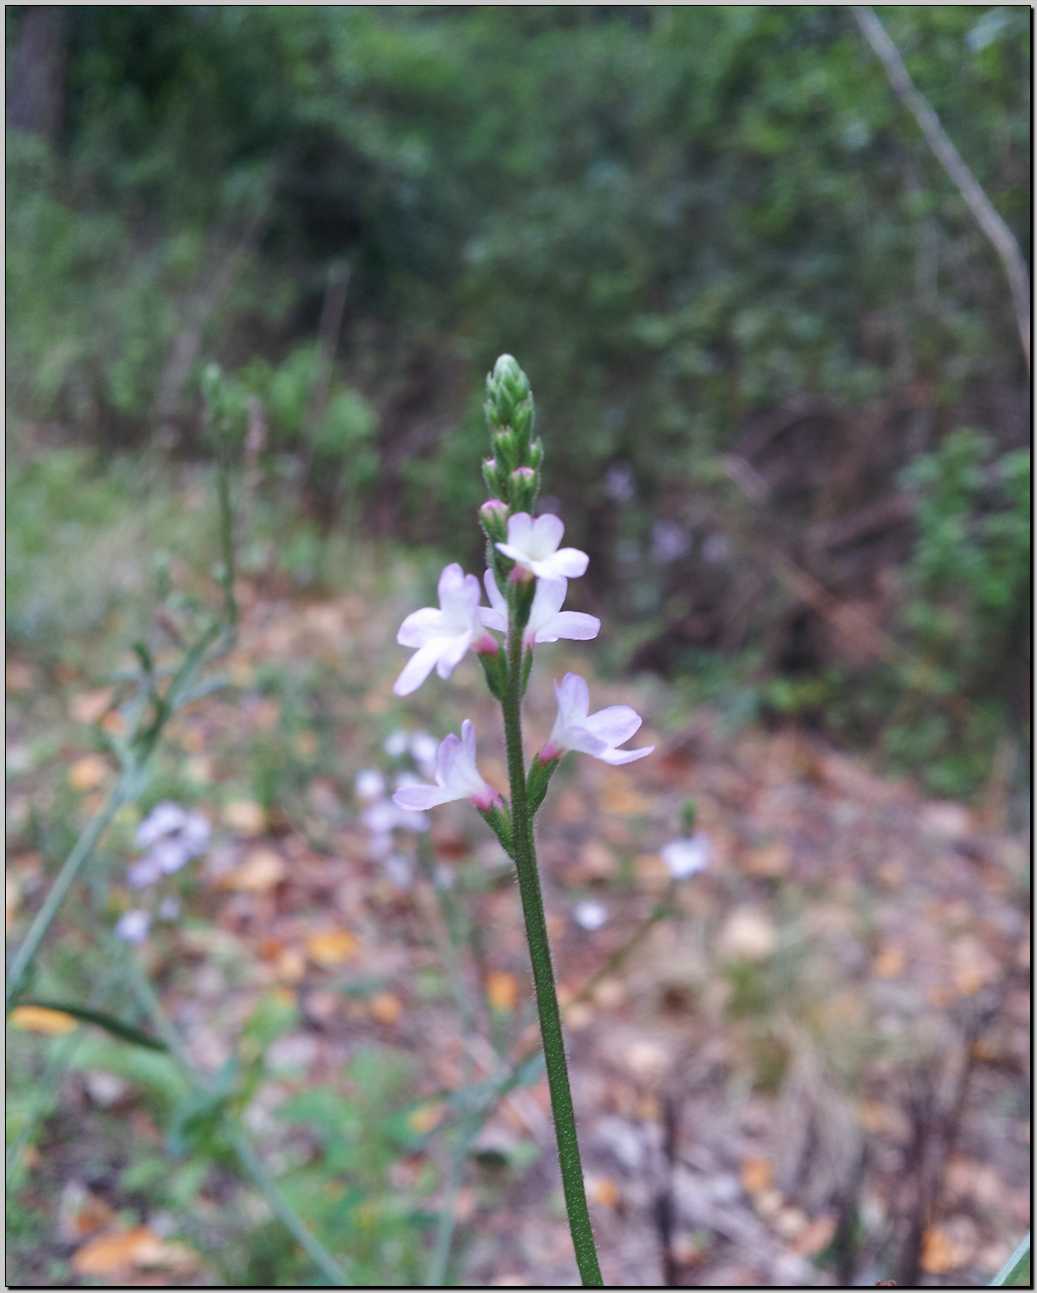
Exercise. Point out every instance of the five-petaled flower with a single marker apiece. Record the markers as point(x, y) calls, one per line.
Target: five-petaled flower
point(533, 545)
point(597, 734)
point(443, 636)
point(457, 777)
point(547, 621)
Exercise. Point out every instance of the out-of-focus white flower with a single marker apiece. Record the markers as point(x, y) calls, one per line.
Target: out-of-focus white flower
point(443, 636)
point(685, 857)
point(169, 909)
point(380, 845)
point(423, 747)
point(399, 869)
point(590, 914)
point(396, 744)
point(457, 777)
point(133, 926)
point(597, 734)
point(547, 621)
point(369, 783)
point(533, 545)
point(382, 817)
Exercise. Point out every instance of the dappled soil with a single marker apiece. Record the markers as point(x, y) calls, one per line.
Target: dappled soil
point(813, 1068)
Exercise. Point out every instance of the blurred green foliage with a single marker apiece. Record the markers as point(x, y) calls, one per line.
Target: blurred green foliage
point(683, 220)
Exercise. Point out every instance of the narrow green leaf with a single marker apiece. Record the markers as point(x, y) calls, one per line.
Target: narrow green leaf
point(117, 1027)
point(1016, 1271)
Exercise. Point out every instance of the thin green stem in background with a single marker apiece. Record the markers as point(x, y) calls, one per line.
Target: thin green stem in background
point(543, 973)
point(251, 1164)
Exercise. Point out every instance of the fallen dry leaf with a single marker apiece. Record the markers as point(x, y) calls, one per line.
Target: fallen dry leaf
point(889, 962)
point(385, 1008)
point(41, 1019)
point(748, 935)
point(939, 1252)
point(245, 817)
point(261, 871)
point(110, 1254)
point(604, 1191)
point(332, 947)
point(91, 706)
point(502, 990)
point(425, 1118)
point(757, 1174)
point(88, 773)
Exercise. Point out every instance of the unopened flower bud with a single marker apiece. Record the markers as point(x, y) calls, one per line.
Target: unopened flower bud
point(508, 398)
point(523, 489)
point(505, 448)
point(491, 474)
point(493, 517)
point(536, 454)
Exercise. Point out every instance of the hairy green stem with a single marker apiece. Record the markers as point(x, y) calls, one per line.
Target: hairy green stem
point(543, 974)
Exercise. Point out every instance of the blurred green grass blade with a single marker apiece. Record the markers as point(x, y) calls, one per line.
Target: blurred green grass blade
point(116, 1027)
point(1016, 1271)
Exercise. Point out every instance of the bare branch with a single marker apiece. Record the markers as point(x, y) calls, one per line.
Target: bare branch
point(983, 212)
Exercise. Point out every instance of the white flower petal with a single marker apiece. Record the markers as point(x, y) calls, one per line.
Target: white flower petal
point(420, 626)
point(618, 757)
point(575, 626)
point(417, 668)
point(614, 724)
point(418, 799)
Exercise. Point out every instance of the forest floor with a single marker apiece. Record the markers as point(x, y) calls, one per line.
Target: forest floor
point(811, 1067)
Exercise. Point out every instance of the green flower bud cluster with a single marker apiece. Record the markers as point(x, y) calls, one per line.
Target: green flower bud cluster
point(512, 474)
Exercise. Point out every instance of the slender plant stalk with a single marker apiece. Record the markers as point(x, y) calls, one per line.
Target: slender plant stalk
point(543, 974)
point(74, 863)
point(251, 1164)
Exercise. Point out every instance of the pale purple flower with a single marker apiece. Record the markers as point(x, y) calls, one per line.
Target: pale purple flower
point(169, 822)
point(597, 734)
point(443, 635)
point(533, 545)
point(590, 914)
point(669, 542)
point(144, 871)
point(396, 744)
point(547, 621)
point(620, 484)
point(686, 857)
point(457, 777)
point(133, 926)
point(370, 784)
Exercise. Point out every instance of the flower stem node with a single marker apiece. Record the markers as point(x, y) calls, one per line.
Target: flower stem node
point(497, 817)
point(541, 770)
point(495, 667)
point(493, 517)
